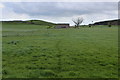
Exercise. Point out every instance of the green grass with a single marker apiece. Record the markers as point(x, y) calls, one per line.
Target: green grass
point(32, 51)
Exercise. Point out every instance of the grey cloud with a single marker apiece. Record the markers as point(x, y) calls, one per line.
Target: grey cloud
point(58, 9)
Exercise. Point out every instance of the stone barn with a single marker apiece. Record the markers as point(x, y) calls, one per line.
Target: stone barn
point(62, 26)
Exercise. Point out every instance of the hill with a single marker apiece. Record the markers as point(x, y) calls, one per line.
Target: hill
point(35, 22)
point(109, 22)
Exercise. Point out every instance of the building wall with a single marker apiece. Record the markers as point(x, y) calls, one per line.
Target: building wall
point(62, 26)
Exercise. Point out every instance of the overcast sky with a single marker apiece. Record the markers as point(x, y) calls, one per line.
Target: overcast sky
point(60, 12)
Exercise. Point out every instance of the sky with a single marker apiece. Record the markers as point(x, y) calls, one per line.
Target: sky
point(60, 12)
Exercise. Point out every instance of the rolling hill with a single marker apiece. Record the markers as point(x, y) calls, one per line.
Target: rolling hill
point(112, 22)
point(35, 22)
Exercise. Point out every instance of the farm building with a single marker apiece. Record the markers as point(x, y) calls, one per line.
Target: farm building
point(62, 26)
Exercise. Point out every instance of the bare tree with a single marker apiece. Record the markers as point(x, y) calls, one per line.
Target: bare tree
point(77, 21)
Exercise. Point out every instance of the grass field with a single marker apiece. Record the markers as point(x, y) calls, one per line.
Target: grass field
point(32, 51)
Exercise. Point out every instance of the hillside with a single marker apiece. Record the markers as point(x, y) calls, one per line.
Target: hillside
point(35, 22)
point(111, 22)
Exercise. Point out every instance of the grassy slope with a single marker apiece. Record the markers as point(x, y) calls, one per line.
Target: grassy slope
point(40, 22)
point(29, 51)
point(33, 22)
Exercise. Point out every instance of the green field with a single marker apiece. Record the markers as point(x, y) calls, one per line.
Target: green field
point(33, 51)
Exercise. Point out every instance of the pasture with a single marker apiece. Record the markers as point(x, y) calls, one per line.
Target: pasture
point(33, 51)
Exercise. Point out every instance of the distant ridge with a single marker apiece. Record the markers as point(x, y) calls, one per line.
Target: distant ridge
point(35, 22)
point(111, 22)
